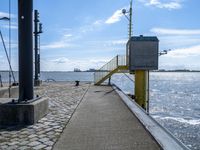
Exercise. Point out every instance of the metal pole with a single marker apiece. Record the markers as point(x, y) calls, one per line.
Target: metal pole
point(141, 85)
point(25, 8)
point(9, 63)
point(9, 90)
point(36, 47)
point(1, 81)
point(39, 56)
point(130, 31)
point(148, 101)
point(141, 81)
point(130, 20)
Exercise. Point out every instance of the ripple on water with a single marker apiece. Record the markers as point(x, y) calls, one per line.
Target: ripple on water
point(174, 103)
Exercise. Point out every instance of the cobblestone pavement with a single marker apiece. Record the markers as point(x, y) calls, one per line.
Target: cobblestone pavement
point(63, 100)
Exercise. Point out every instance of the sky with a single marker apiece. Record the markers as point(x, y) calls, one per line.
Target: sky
point(87, 34)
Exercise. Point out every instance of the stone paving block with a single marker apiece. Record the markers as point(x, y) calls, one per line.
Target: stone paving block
point(34, 143)
point(49, 143)
point(44, 140)
point(41, 146)
point(13, 143)
point(62, 102)
point(42, 136)
point(48, 148)
point(24, 142)
point(32, 136)
point(51, 133)
point(33, 139)
point(4, 147)
point(24, 148)
point(13, 147)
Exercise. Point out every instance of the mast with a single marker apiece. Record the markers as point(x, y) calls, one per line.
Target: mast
point(130, 20)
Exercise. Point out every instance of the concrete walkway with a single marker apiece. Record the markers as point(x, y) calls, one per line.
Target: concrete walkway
point(103, 122)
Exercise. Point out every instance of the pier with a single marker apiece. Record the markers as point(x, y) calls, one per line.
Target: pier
point(88, 117)
point(81, 115)
point(103, 121)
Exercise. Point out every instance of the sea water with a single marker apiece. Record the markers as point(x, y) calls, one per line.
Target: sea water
point(174, 99)
point(174, 102)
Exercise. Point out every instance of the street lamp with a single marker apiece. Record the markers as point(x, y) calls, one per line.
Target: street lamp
point(125, 12)
point(5, 18)
point(129, 18)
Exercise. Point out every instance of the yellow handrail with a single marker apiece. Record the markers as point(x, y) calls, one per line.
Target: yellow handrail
point(115, 64)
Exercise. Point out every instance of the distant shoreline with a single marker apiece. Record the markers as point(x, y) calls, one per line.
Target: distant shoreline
point(177, 71)
point(94, 71)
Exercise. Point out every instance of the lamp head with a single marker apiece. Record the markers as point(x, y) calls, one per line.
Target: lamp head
point(124, 11)
point(4, 18)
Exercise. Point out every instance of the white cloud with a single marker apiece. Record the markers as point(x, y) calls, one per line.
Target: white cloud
point(115, 43)
point(11, 27)
point(119, 42)
point(168, 31)
point(185, 52)
point(67, 35)
point(115, 17)
point(91, 27)
point(98, 22)
point(174, 42)
point(61, 60)
point(56, 45)
point(182, 58)
point(4, 14)
point(64, 42)
point(167, 4)
point(66, 64)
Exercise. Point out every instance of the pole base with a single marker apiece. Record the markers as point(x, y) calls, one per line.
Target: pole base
point(22, 113)
point(37, 82)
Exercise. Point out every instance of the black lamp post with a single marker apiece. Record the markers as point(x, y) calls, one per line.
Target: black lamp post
point(25, 9)
point(37, 32)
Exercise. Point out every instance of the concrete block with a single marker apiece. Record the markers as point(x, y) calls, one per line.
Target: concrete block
point(24, 113)
point(4, 92)
point(37, 82)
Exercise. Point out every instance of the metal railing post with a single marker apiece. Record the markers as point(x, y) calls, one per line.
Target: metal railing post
point(1, 81)
point(117, 60)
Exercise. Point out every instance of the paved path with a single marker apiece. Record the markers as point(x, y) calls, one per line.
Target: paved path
point(63, 100)
point(103, 122)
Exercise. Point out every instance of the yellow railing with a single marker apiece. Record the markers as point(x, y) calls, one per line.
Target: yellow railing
point(113, 66)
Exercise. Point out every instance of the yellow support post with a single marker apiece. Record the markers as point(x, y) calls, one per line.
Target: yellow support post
point(141, 88)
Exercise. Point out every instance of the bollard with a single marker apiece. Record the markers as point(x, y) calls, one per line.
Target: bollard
point(77, 83)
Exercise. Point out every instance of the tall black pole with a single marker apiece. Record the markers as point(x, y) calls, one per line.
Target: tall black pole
point(25, 8)
point(36, 21)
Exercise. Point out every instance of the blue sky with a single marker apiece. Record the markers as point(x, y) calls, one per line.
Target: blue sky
point(86, 34)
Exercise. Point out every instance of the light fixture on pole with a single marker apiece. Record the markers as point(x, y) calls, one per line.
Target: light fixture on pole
point(125, 12)
point(5, 18)
point(129, 18)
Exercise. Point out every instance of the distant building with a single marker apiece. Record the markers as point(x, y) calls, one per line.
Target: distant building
point(77, 70)
point(91, 70)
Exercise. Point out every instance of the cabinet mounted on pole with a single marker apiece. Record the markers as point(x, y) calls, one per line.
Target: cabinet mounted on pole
point(143, 53)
